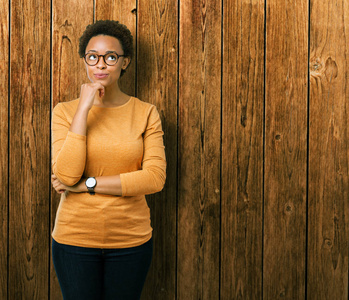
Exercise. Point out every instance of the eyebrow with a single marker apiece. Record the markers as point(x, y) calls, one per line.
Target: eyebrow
point(105, 52)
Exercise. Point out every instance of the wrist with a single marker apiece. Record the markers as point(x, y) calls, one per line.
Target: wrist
point(91, 183)
point(82, 186)
point(83, 110)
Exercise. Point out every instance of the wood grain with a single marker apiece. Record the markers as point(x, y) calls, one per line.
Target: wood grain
point(199, 149)
point(242, 150)
point(68, 73)
point(329, 150)
point(29, 159)
point(157, 66)
point(285, 150)
point(124, 11)
point(243, 227)
point(4, 155)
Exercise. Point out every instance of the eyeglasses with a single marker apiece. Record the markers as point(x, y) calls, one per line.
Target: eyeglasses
point(110, 58)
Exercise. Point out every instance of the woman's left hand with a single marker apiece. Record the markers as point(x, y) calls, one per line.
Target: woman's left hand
point(61, 188)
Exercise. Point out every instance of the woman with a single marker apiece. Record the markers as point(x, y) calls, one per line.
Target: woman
point(108, 153)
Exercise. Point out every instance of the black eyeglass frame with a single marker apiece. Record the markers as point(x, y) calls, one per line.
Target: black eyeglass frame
point(117, 55)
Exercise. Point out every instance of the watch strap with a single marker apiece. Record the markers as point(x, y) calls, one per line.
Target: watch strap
point(91, 190)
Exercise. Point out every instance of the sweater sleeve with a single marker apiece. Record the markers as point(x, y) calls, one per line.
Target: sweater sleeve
point(151, 178)
point(68, 149)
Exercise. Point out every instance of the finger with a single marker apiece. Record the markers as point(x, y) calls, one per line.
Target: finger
point(100, 89)
point(96, 85)
point(56, 186)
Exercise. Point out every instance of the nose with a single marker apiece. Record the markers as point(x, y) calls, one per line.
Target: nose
point(101, 64)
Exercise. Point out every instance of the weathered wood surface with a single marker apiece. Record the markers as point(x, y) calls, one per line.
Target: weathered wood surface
point(124, 11)
point(242, 150)
point(328, 151)
point(285, 184)
point(4, 80)
point(253, 99)
point(199, 150)
point(29, 148)
point(157, 45)
point(68, 74)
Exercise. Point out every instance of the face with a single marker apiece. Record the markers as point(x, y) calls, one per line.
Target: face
point(101, 72)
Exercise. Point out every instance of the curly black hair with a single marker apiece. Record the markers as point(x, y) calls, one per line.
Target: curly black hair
point(111, 28)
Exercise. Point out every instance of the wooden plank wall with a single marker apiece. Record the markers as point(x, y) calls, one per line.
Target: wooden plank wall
point(328, 202)
point(4, 93)
point(29, 144)
point(253, 98)
point(285, 160)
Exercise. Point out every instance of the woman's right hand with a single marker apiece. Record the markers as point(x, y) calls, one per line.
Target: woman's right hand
point(88, 93)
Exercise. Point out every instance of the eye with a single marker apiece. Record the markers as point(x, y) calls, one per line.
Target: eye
point(91, 57)
point(111, 57)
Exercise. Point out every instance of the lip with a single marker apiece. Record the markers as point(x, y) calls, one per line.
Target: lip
point(101, 75)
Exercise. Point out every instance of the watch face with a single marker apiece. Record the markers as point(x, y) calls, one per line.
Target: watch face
point(90, 182)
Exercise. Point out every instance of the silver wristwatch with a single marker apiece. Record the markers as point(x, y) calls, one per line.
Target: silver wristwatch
point(91, 183)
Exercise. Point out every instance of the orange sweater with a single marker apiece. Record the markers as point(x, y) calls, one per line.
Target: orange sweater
point(125, 140)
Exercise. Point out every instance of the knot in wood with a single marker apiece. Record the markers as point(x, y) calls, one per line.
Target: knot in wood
point(327, 244)
point(282, 293)
point(288, 208)
point(331, 69)
point(316, 67)
point(319, 67)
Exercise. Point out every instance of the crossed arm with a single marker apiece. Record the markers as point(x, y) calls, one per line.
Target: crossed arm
point(110, 185)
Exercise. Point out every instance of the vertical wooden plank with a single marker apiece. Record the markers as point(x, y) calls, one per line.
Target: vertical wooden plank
point(199, 149)
point(285, 149)
point(157, 66)
point(328, 151)
point(29, 150)
point(124, 11)
point(4, 80)
point(242, 149)
point(68, 72)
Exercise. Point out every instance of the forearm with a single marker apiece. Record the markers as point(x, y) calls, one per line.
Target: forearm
point(143, 182)
point(79, 122)
point(69, 145)
point(109, 185)
point(69, 162)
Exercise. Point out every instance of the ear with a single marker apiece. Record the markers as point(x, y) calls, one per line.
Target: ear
point(125, 63)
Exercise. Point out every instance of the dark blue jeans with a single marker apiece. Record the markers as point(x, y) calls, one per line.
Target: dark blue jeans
point(95, 274)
